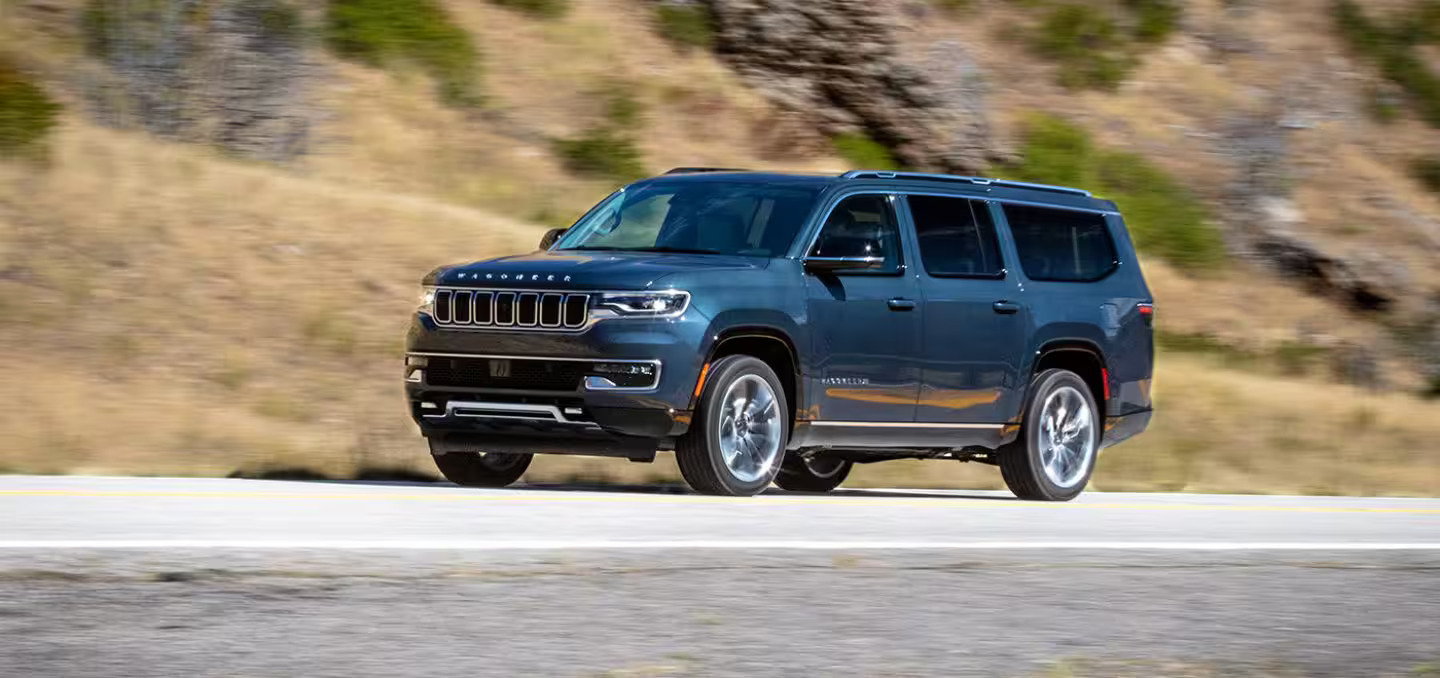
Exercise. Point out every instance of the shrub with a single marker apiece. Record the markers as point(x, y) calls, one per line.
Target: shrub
point(861, 152)
point(1164, 217)
point(1085, 44)
point(27, 113)
point(602, 152)
point(688, 26)
point(381, 32)
point(544, 9)
point(1155, 20)
point(622, 109)
point(1427, 172)
point(1392, 49)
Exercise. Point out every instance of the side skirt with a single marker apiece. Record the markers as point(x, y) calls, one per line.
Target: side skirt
point(911, 436)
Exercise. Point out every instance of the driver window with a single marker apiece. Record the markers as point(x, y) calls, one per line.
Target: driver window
point(861, 226)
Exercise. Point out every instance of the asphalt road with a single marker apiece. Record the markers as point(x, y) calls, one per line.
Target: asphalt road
point(196, 577)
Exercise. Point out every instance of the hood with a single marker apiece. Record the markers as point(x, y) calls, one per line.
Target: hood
point(585, 270)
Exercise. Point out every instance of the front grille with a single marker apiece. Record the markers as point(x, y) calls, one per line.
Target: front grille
point(534, 375)
point(517, 309)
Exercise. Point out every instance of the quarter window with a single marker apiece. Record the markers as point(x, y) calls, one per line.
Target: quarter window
point(1061, 245)
point(861, 226)
point(957, 237)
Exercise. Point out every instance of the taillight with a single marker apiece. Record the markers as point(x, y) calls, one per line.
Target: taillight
point(1147, 312)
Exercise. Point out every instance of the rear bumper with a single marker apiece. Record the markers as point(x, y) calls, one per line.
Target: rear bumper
point(1122, 428)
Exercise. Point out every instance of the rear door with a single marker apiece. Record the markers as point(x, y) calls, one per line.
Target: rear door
point(974, 318)
point(865, 324)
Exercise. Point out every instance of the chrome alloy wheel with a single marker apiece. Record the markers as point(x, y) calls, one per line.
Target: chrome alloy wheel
point(1067, 437)
point(750, 429)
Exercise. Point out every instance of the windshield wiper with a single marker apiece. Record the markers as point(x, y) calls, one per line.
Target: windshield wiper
point(656, 248)
point(675, 250)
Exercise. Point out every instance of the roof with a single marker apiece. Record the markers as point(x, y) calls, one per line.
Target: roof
point(999, 188)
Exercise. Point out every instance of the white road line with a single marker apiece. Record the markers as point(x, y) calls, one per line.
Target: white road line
point(560, 544)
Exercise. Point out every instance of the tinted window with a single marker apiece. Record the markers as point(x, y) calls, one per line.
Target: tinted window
point(722, 217)
point(861, 226)
point(957, 237)
point(1061, 244)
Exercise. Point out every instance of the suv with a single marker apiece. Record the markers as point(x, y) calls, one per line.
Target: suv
point(783, 327)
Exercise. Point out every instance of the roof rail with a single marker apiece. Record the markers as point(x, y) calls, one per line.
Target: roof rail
point(978, 181)
point(698, 170)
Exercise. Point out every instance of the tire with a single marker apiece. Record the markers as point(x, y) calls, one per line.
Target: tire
point(1034, 469)
point(480, 469)
point(729, 455)
point(817, 474)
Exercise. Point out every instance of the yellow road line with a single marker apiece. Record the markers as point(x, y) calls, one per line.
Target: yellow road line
point(931, 502)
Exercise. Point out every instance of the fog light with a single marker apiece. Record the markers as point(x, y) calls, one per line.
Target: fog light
point(621, 375)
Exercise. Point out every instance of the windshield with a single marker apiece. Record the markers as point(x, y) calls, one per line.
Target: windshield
point(709, 217)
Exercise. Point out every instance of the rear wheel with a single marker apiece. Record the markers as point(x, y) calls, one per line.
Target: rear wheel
point(480, 469)
point(1059, 438)
point(737, 439)
point(812, 474)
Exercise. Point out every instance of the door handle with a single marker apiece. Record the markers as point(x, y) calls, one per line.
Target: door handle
point(1005, 307)
point(898, 304)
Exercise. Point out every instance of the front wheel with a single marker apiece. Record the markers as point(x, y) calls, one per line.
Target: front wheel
point(737, 439)
point(480, 469)
point(815, 473)
point(1059, 438)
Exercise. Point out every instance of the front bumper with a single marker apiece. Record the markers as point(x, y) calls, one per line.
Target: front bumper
point(573, 413)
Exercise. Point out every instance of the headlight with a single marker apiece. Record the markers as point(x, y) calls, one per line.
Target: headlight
point(427, 299)
point(663, 304)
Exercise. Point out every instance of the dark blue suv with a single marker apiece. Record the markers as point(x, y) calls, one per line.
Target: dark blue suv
point(783, 327)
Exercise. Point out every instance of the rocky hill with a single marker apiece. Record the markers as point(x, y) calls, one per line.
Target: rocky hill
point(213, 212)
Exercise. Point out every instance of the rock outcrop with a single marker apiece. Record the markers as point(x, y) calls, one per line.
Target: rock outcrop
point(837, 63)
point(231, 73)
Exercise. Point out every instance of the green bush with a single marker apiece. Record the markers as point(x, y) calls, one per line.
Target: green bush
point(545, 9)
point(1427, 172)
point(1155, 20)
point(861, 152)
point(382, 32)
point(622, 109)
point(1392, 49)
point(1164, 217)
point(602, 152)
point(689, 26)
point(1089, 49)
point(27, 113)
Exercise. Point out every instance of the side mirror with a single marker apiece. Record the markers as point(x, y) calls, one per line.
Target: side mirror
point(550, 237)
point(843, 263)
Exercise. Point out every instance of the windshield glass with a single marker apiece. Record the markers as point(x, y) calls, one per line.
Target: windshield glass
point(710, 217)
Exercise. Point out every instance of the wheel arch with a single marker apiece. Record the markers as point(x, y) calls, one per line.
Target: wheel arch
point(772, 346)
point(1080, 356)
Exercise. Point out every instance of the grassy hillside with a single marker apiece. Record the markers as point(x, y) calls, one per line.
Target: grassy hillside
point(169, 308)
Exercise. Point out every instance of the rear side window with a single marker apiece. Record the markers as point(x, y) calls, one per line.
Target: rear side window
point(957, 237)
point(1061, 245)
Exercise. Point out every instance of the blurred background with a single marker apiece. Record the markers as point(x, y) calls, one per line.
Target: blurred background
point(214, 214)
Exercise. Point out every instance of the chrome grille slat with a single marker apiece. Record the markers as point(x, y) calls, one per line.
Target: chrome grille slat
point(540, 310)
point(527, 309)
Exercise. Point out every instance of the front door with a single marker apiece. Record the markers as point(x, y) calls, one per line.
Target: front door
point(974, 319)
point(865, 324)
